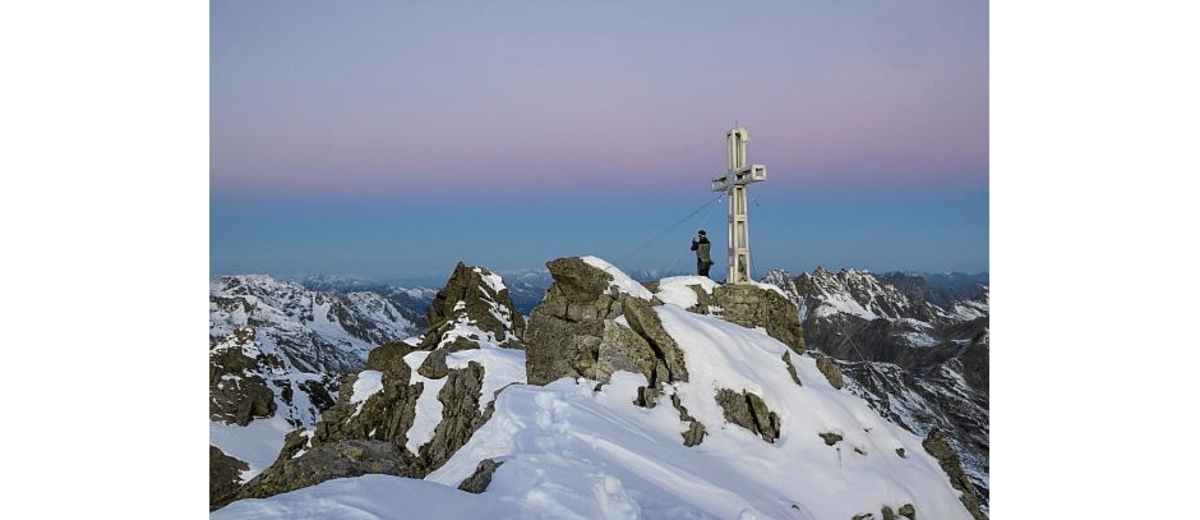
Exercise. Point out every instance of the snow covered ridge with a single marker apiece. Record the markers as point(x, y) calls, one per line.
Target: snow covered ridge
point(688, 416)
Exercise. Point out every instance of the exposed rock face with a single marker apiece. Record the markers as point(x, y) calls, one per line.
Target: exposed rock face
point(750, 412)
point(937, 445)
point(481, 297)
point(752, 306)
point(236, 393)
point(830, 369)
point(386, 415)
point(576, 331)
point(224, 478)
point(349, 458)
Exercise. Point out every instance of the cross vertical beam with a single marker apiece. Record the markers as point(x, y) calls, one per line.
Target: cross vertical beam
point(733, 183)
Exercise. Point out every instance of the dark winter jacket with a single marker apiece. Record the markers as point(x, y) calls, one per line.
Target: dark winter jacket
point(702, 249)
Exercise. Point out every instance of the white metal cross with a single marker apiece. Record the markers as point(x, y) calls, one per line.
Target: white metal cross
point(733, 183)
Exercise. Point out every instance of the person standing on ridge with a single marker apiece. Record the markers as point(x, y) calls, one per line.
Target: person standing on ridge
point(702, 246)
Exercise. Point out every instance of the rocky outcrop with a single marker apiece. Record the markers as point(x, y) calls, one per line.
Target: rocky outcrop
point(237, 394)
point(479, 481)
point(695, 433)
point(752, 306)
point(479, 297)
point(349, 458)
point(749, 411)
point(830, 370)
point(587, 327)
point(937, 445)
point(224, 477)
point(386, 415)
point(369, 428)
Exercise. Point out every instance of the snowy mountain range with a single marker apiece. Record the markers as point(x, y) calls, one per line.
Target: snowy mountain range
point(919, 353)
point(613, 399)
point(277, 352)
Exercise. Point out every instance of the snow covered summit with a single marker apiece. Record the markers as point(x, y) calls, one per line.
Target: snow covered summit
point(630, 405)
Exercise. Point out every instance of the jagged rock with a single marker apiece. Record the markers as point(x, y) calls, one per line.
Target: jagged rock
point(888, 514)
point(478, 482)
point(235, 396)
point(349, 458)
point(695, 432)
point(460, 415)
point(937, 445)
point(830, 438)
point(792, 369)
point(830, 369)
point(642, 318)
point(224, 477)
point(384, 416)
point(752, 306)
point(908, 511)
point(294, 442)
point(386, 409)
point(575, 331)
point(750, 412)
point(478, 296)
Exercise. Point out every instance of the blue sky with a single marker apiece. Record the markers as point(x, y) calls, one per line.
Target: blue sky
point(392, 140)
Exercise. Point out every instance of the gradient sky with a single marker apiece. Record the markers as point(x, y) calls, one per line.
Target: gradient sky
point(392, 139)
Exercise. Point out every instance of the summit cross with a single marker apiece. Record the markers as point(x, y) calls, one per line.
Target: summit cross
point(733, 183)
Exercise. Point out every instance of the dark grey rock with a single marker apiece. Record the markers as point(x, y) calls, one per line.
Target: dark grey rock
point(830, 438)
point(791, 369)
point(695, 432)
point(385, 416)
point(479, 481)
point(750, 412)
point(908, 511)
point(235, 395)
point(224, 477)
point(349, 458)
point(460, 415)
